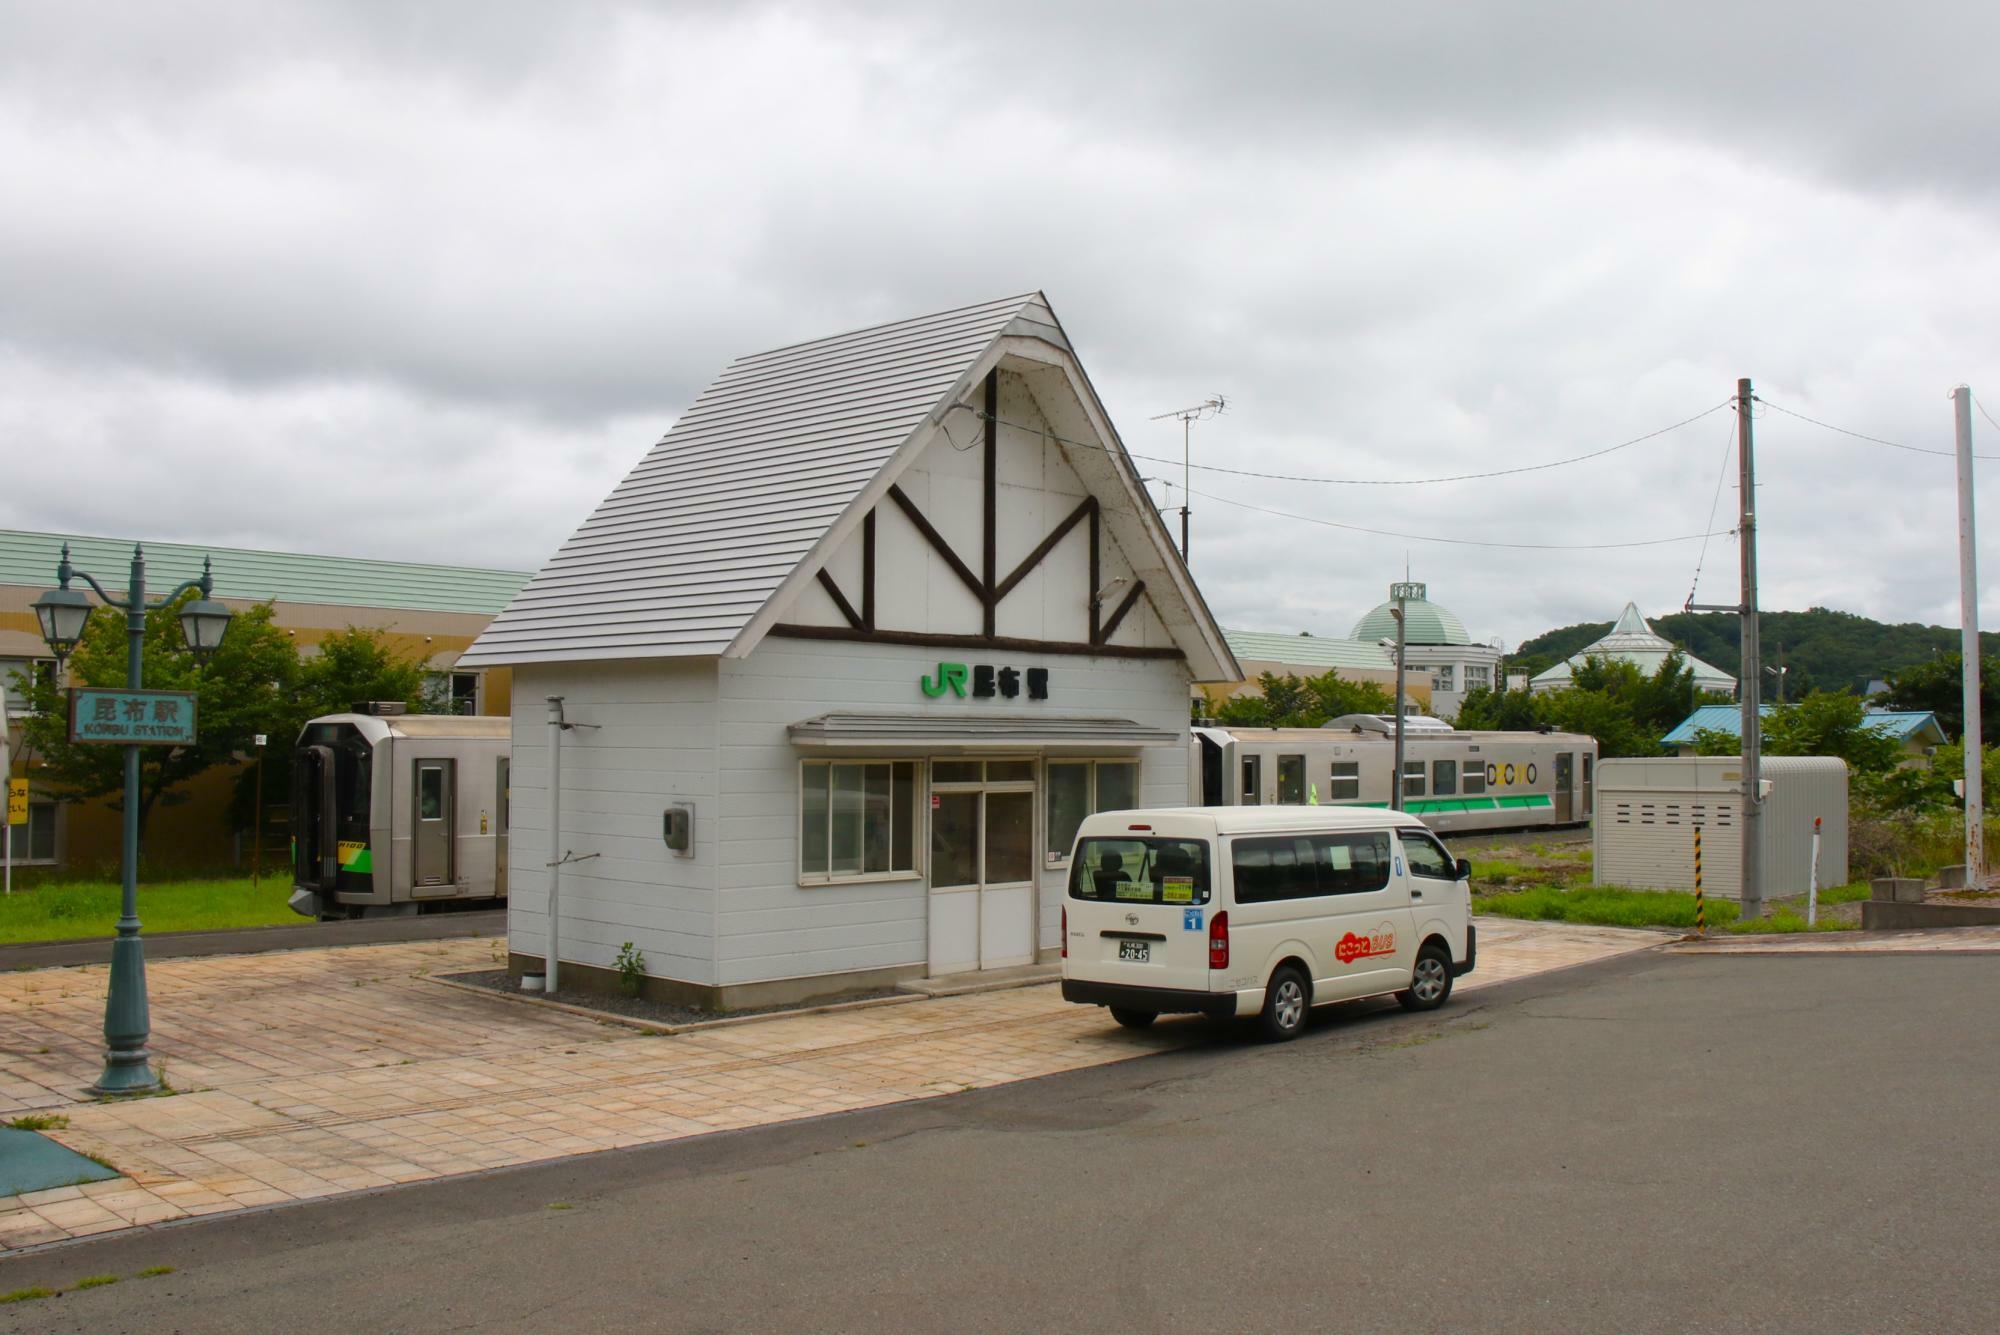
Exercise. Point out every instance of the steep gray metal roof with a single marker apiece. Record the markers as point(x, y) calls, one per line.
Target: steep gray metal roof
point(687, 549)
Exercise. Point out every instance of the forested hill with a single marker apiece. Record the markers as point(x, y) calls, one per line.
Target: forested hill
point(1821, 648)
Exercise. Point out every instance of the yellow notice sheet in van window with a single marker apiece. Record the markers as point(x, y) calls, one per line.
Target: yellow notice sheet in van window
point(1177, 890)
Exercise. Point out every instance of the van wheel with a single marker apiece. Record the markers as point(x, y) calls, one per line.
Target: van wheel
point(1430, 980)
point(1286, 1001)
point(1133, 1019)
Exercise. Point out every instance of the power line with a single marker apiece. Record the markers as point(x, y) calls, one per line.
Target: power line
point(1460, 542)
point(1983, 413)
point(1728, 443)
point(1456, 477)
point(1873, 440)
point(1363, 481)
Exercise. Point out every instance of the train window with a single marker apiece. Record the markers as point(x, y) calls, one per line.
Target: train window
point(1444, 778)
point(1253, 780)
point(1475, 779)
point(1344, 783)
point(1413, 778)
point(1291, 781)
point(430, 793)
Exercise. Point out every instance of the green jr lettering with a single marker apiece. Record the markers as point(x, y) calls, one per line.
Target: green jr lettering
point(949, 675)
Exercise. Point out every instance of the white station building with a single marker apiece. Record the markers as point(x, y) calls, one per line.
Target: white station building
point(888, 613)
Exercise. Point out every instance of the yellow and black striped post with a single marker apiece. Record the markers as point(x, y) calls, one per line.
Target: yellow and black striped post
point(1700, 909)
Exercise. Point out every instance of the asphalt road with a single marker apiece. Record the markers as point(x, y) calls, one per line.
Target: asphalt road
point(1659, 1143)
point(253, 940)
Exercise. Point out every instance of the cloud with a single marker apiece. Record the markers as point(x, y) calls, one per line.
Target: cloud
point(488, 252)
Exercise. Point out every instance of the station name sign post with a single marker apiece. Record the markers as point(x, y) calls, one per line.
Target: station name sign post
point(131, 718)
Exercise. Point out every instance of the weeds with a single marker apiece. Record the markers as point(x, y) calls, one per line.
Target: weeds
point(27, 1295)
point(96, 1281)
point(631, 969)
point(152, 1271)
point(40, 1122)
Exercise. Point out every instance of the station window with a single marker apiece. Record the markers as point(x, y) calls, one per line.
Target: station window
point(857, 818)
point(35, 841)
point(19, 676)
point(1444, 778)
point(1079, 788)
point(1413, 778)
point(452, 692)
point(1344, 783)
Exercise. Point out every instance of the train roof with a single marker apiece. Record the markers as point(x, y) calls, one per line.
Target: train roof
point(1248, 820)
point(1322, 736)
point(424, 725)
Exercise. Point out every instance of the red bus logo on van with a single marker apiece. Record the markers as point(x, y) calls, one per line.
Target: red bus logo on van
point(1381, 941)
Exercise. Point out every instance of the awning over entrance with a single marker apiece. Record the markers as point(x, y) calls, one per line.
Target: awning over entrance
point(929, 732)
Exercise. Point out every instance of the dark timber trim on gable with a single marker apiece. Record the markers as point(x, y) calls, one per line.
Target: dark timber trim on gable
point(987, 585)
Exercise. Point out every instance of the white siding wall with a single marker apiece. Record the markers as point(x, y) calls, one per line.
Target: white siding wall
point(770, 926)
point(655, 743)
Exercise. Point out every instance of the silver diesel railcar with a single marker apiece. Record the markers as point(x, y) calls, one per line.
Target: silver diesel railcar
point(398, 813)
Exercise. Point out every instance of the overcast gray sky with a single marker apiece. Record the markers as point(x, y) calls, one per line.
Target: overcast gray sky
point(423, 281)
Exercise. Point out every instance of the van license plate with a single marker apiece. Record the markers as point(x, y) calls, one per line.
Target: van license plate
point(1139, 952)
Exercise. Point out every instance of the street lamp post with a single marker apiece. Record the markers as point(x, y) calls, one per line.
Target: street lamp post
point(63, 613)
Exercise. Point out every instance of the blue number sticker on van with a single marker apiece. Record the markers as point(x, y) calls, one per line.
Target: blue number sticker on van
point(1190, 920)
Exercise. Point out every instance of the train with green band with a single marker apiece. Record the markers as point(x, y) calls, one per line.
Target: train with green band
point(1454, 781)
point(397, 813)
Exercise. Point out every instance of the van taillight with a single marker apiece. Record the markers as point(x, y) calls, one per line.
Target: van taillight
point(1065, 931)
point(1218, 941)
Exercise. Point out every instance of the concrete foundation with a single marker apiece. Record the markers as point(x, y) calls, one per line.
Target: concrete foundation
point(742, 996)
point(1880, 916)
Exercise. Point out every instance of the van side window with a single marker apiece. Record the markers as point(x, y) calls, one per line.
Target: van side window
point(1302, 866)
point(1427, 857)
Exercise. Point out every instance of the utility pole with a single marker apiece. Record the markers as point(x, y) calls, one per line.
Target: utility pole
point(1750, 686)
point(1968, 611)
point(1209, 407)
point(1402, 593)
point(1753, 665)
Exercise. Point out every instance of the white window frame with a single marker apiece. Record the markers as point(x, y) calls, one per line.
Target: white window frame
point(1051, 860)
point(920, 822)
point(54, 808)
point(1445, 677)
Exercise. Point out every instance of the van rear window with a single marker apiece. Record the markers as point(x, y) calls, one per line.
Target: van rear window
point(1140, 871)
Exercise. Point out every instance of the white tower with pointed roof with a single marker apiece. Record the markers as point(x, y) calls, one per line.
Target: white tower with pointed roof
point(1633, 641)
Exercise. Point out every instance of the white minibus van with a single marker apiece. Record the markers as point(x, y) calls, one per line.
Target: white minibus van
point(1261, 911)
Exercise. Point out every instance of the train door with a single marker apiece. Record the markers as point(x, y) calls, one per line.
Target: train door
point(432, 847)
point(1565, 782)
point(1253, 780)
point(501, 802)
point(315, 829)
point(1291, 781)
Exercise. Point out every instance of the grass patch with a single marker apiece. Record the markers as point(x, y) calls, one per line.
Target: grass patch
point(1499, 869)
point(154, 1270)
point(58, 910)
point(1787, 919)
point(1844, 894)
point(40, 1122)
point(1605, 906)
point(96, 1281)
point(27, 1295)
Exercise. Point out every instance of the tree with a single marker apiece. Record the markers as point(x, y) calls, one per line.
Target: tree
point(1485, 709)
point(244, 690)
point(1828, 723)
point(343, 670)
point(1292, 702)
point(1938, 687)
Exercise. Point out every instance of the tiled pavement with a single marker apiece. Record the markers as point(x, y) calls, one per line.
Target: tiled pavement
point(315, 1072)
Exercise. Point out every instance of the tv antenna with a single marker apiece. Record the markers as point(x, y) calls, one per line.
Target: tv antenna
point(1213, 406)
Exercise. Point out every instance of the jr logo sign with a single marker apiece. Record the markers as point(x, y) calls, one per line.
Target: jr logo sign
point(983, 681)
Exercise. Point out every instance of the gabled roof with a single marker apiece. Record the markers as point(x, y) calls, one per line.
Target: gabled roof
point(1632, 640)
point(1905, 725)
point(1307, 650)
point(30, 559)
point(774, 462)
